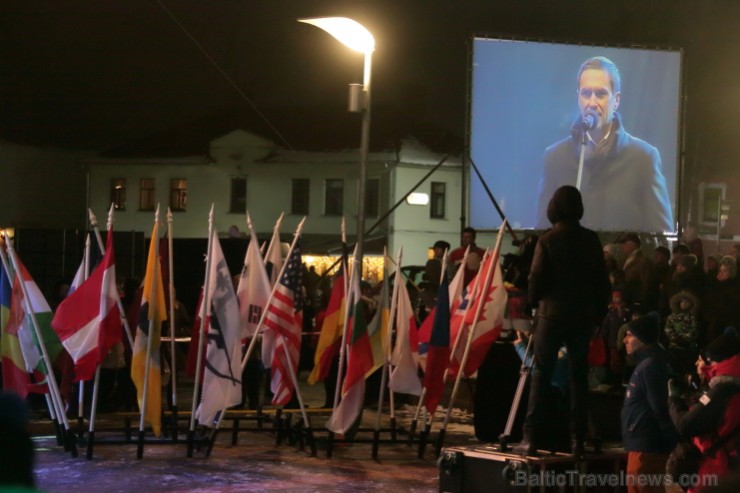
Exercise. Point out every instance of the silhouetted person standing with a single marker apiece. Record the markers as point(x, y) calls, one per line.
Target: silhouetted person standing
point(569, 285)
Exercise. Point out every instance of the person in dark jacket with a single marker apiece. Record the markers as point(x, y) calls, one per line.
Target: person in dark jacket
point(568, 284)
point(622, 177)
point(714, 421)
point(648, 435)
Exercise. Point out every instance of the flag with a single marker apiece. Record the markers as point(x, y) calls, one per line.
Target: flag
point(488, 302)
point(455, 297)
point(253, 291)
point(78, 279)
point(359, 363)
point(438, 356)
point(285, 321)
point(152, 313)
point(405, 357)
point(330, 337)
point(88, 322)
point(379, 326)
point(20, 323)
point(222, 386)
point(15, 376)
point(273, 265)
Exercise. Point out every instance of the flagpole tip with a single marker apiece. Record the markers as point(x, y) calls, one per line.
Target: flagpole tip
point(93, 219)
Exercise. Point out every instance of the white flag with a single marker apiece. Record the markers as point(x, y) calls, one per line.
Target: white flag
point(222, 386)
point(253, 291)
point(405, 358)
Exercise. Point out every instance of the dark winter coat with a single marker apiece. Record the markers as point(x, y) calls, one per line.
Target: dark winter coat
point(646, 424)
point(568, 278)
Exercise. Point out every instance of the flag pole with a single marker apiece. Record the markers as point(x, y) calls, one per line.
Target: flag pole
point(458, 337)
point(173, 359)
point(391, 323)
point(96, 382)
point(353, 288)
point(288, 358)
point(81, 386)
point(260, 324)
point(204, 310)
point(423, 396)
point(149, 342)
point(49, 403)
point(124, 321)
point(386, 364)
point(69, 438)
point(346, 279)
point(471, 335)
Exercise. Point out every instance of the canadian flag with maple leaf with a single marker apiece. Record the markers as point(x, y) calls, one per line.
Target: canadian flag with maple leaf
point(481, 313)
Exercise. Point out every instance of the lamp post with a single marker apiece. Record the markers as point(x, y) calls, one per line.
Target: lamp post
point(354, 35)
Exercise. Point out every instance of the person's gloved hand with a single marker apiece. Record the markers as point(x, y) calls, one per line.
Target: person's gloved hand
point(674, 388)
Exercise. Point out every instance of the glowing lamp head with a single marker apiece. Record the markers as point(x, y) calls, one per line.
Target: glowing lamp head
point(349, 32)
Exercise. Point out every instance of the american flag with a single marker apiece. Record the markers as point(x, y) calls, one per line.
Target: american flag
point(285, 318)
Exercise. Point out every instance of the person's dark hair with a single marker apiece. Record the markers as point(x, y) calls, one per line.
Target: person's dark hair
point(602, 63)
point(470, 230)
point(566, 205)
point(663, 250)
point(681, 248)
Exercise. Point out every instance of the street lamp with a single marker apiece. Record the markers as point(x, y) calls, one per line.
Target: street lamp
point(354, 35)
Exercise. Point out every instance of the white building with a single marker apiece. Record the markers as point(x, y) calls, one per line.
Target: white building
point(242, 171)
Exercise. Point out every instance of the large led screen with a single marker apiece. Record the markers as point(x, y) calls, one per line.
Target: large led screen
point(532, 106)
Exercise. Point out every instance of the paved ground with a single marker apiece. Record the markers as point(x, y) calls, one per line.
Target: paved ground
point(256, 463)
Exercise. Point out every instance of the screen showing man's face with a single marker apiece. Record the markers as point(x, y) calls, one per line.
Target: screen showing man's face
point(595, 96)
point(520, 124)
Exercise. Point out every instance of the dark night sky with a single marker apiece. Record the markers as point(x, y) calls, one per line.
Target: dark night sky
point(94, 75)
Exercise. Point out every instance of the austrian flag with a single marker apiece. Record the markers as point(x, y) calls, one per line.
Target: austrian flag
point(88, 321)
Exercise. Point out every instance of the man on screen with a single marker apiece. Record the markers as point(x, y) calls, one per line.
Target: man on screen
point(622, 182)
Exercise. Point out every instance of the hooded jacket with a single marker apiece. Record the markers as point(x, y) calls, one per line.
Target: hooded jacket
point(568, 278)
point(646, 424)
point(716, 415)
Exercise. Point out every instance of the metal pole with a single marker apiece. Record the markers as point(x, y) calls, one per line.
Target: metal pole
point(364, 149)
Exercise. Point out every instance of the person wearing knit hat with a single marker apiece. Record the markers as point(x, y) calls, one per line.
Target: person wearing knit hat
point(713, 422)
point(646, 329)
point(725, 346)
point(648, 435)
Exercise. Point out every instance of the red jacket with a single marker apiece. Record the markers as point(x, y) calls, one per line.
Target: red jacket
point(715, 416)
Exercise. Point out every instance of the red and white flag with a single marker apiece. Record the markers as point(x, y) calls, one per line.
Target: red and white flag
point(88, 321)
point(484, 313)
point(284, 321)
point(273, 265)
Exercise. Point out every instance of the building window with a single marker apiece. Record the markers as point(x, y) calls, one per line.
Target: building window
point(372, 197)
point(334, 197)
point(118, 193)
point(178, 194)
point(437, 207)
point(147, 194)
point(238, 195)
point(712, 194)
point(300, 196)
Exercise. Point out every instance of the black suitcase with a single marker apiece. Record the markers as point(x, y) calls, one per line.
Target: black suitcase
point(484, 469)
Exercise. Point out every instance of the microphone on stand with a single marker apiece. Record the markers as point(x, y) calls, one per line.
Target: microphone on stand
point(588, 122)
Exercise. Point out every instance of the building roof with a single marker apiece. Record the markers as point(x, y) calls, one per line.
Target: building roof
point(318, 128)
